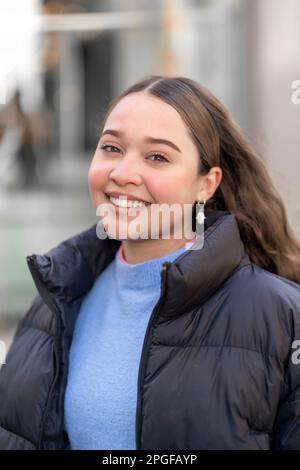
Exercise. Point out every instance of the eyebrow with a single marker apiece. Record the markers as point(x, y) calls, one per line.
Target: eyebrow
point(151, 140)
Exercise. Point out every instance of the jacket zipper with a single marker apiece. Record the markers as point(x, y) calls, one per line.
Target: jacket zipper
point(144, 355)
point(55, 309)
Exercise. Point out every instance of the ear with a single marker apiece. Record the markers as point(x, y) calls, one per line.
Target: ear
point(209, 183)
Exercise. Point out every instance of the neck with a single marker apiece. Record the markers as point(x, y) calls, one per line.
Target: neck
point(139, 251)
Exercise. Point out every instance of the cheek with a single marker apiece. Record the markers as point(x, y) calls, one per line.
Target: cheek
point(96, 176)
point(171, 188)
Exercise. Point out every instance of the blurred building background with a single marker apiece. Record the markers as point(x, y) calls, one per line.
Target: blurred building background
point(62, 61)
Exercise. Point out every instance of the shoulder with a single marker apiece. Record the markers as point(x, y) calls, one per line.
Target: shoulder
point(267, 289)
point(37, 326)
point(257, 284)
point(38, 317)
point(265, 309)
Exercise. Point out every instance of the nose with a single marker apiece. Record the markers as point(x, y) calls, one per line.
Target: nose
point(125, 171)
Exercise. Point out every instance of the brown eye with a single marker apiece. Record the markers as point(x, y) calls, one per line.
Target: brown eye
point(106, 146)
point(160, 156)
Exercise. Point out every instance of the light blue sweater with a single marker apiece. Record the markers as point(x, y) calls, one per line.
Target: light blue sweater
point(101, 393)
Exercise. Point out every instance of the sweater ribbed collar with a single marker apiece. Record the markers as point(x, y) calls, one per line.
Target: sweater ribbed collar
point(144, 275)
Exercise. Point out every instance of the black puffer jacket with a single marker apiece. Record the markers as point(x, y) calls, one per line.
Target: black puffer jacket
point(216, 370)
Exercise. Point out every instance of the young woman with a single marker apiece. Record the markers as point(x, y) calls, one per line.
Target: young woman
point(148, 343)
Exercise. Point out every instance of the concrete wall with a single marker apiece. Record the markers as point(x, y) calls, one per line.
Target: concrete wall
point(274, 63)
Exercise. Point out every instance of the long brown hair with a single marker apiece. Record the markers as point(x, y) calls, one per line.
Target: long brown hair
point(246, 189)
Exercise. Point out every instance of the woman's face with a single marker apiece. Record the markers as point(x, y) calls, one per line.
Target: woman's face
point(145, 151)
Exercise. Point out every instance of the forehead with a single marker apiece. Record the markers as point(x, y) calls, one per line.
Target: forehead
point(147, 113)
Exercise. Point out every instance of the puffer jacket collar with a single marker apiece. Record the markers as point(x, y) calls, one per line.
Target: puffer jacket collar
point(67, 272)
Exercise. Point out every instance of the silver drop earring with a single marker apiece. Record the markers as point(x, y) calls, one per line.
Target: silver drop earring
point(200, 217)
point(199, 224)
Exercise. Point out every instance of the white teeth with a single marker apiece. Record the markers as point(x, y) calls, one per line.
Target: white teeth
point(126, 202)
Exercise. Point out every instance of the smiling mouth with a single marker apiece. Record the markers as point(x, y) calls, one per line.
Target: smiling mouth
point(123, 203)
